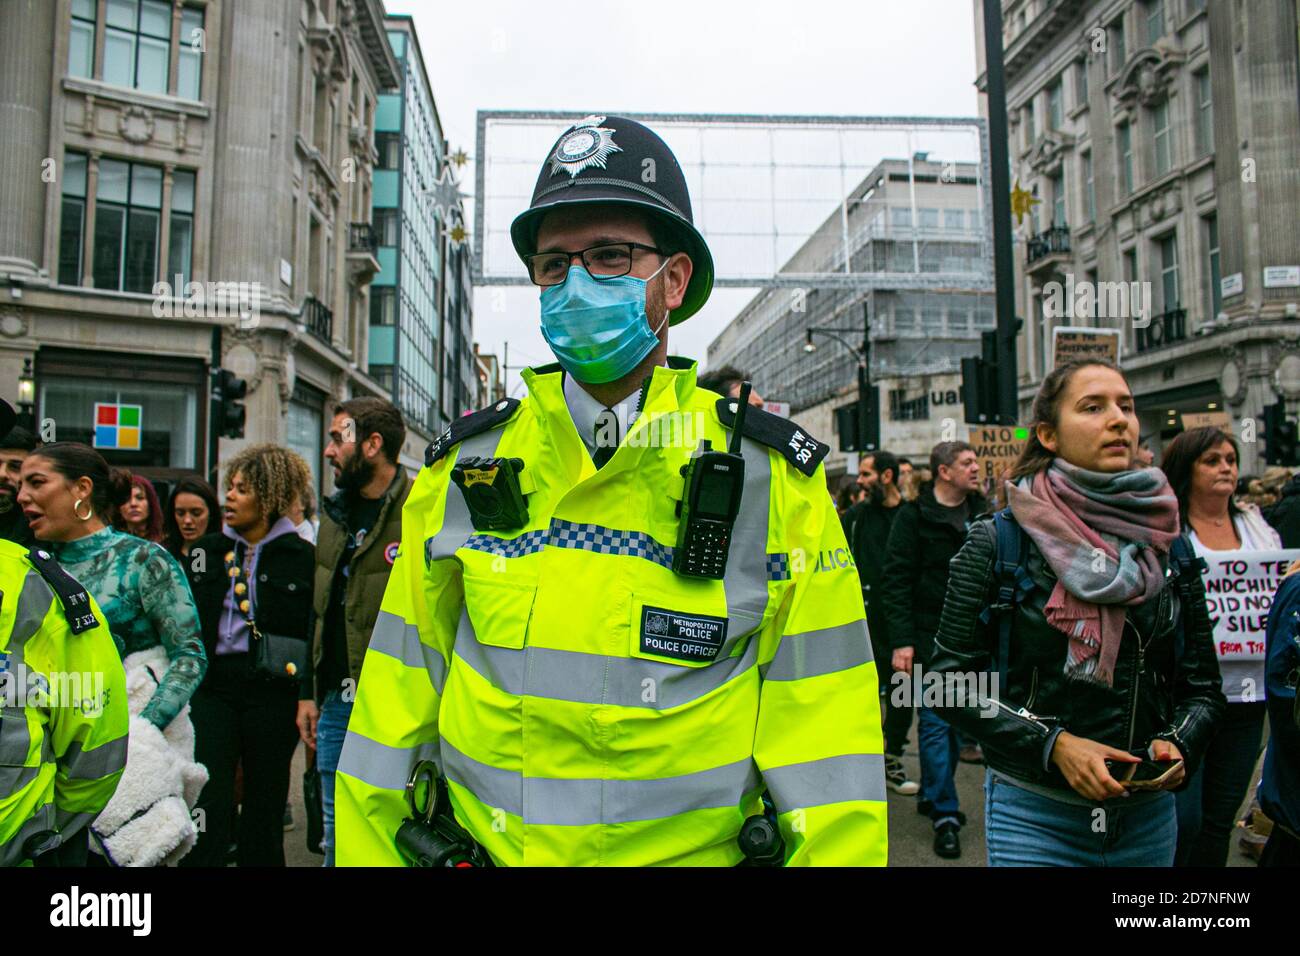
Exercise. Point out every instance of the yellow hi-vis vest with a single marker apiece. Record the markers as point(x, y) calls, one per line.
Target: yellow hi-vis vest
point(63, 708)
point(548, 672)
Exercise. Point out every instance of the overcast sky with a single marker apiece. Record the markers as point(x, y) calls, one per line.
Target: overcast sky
point(869, 57)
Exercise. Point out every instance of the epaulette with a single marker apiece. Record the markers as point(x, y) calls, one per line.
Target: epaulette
point(468, 426)
point(800, 449)
point(75, 600)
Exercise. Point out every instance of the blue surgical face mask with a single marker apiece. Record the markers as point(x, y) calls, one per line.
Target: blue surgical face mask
point(598, 329)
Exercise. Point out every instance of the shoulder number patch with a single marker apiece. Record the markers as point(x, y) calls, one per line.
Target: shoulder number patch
point(468, 426)
point(73, 597)
point(800, 449)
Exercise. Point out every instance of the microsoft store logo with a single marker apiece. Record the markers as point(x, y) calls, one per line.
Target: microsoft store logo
point(117, 427)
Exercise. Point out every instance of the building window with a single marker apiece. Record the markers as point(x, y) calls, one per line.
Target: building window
point(1155, 21)
point(1131, 275)
point(954, 220)
point(1058, 199)
point(389, 147)
point(387, 223)
point(1089, 188)
point(932, 321)
point(81, 39)
point(1125, 140)
point(1170, 298)
point(137, 38)
point(189, 55)
point(180, 247)
point(1195, 6)
point(1055, 106)
point(72, 221)
point(1118, 54)
point(1204, 113)
point(383, 305)
point(928, 218)
point(1081, 88)
point(164, 397)
point(1212, 247)
point(128, 210)
point(305, 428)
point(1031, 132)
point(900, 216)
point(1162, 139)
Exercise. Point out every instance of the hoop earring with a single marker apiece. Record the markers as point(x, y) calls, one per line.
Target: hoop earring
point(90, 509)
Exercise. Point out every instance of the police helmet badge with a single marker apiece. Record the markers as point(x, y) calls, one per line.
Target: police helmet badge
point(586, 144)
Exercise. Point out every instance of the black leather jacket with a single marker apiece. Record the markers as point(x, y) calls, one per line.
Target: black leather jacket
point(1153, 697)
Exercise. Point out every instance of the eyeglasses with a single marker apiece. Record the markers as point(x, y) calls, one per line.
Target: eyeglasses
point(609, 260)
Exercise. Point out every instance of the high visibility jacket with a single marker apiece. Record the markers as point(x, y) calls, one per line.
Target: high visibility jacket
point(63, 730)
point(548, 672)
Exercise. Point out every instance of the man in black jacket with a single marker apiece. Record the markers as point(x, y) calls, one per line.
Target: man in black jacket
point(1284, 514)
point(866, 527)
point(925, 536)
point(14, 448)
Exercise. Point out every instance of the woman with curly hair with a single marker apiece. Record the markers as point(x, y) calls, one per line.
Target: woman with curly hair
point(252, 579)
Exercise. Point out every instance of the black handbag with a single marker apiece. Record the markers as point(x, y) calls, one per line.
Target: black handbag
point(278, 656)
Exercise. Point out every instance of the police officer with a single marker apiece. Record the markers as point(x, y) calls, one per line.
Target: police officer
point(591, 694)
point(63, 708)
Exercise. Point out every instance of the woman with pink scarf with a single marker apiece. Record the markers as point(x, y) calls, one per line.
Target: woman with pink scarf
point(1110, 687)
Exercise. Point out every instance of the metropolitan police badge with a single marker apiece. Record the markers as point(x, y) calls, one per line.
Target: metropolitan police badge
point(586, 144)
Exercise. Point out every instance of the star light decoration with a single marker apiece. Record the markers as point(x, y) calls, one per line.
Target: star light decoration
point(1022, 201)
point(448, 198)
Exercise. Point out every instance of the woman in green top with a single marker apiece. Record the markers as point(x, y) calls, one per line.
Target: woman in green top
point(69, 495)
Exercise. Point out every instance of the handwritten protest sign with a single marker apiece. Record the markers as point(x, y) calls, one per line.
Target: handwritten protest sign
point(996, 449)
point(1239, 589)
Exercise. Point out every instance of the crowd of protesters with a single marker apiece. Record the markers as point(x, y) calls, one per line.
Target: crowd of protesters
point(196, 593)
point(1097, 660)
point(1090, 638)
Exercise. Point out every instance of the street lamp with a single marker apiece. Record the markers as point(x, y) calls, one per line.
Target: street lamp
point(26, 391)
point(863, 355)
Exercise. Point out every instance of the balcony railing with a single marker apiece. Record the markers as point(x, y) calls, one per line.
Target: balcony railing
point(1165, 329)
point(318, 319)
point(1054, 241)
point(362, 238)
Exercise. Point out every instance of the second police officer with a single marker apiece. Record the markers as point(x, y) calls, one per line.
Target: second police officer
point(603, 673)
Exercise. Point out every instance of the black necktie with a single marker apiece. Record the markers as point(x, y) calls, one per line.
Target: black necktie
point(606, 437)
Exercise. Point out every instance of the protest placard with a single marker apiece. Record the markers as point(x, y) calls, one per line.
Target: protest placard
point(1239, 589)
point(1071, 343)
point(996, 449)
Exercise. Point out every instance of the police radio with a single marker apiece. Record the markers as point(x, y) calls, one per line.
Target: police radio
point(708, 509)
point(492, 492)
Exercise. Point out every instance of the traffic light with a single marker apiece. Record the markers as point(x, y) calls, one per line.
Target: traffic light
point(853, 437)
point(227, 409)
point(979, 382)
point(1280, 436)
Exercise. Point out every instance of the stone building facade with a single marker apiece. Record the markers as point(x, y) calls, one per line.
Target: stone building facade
point(221, 141)
point(1159, 137)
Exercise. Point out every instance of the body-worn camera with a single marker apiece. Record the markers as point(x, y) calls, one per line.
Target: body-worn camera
point(492, 492)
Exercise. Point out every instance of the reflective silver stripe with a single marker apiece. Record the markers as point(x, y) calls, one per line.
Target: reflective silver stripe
point(593, 678)
point(551, 802)
point(396, 638)
point(105, 759)
point(547, 801)
point(14, 779)
point(70, 823)
point(745, 580)
point(456, 525)
point(11, 851)
point(829, 780)
point(380, 765)
point(818, 652)
point(33, 605)
point(500, 789)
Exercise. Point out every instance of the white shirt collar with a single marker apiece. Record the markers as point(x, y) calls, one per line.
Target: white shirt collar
point(584, 410)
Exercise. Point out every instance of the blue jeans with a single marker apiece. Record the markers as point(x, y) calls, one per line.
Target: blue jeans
point(1028, 829)
point(330, 731)
point(937, 743)
point(1207, 808)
